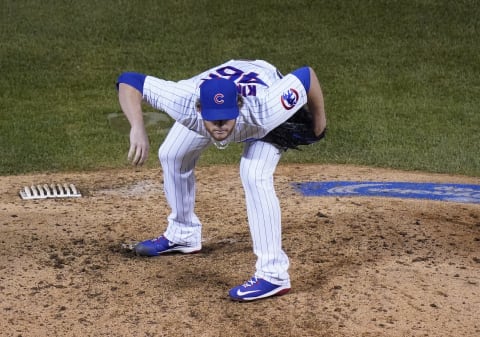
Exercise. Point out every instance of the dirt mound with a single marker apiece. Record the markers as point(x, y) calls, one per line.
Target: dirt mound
point(359, 266)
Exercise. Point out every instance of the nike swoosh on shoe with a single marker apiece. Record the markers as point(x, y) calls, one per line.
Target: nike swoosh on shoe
point(243, 293)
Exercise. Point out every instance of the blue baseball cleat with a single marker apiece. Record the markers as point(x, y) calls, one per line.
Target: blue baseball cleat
point(257, 288)
point(162, 245)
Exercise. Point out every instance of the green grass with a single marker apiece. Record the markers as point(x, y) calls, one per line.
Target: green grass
point(401, 78)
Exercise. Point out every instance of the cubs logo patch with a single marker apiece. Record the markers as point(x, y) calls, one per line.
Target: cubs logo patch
point(218, 98)
point(289, 99)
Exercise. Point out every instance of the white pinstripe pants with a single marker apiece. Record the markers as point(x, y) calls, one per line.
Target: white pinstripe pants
point(178, 155)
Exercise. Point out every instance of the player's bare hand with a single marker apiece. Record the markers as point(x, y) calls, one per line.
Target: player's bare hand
point(139, 146)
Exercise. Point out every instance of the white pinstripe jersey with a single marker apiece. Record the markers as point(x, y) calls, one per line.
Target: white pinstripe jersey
point(269, 100)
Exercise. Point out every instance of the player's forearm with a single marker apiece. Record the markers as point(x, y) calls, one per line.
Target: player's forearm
point(316, 104)
point(131, 103)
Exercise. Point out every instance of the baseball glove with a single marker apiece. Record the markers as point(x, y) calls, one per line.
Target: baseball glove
point(296, 131)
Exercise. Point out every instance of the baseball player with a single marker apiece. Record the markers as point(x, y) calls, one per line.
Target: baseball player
point(238, 101)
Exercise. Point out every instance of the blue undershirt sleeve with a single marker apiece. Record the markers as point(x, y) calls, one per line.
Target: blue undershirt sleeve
point(303, 74)
point(136, 80)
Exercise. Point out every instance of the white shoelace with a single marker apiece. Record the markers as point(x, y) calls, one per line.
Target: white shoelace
point(250, 282)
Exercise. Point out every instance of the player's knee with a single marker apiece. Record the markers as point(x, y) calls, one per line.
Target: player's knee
point(245, 174)
point(252, 176)
point(165, 156)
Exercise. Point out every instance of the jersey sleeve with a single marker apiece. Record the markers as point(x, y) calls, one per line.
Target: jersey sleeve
point(177, 99)
point(135, 80)
point(303, 74)
point(284, 98)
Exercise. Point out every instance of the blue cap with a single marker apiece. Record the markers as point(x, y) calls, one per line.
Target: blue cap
point(218, 99)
